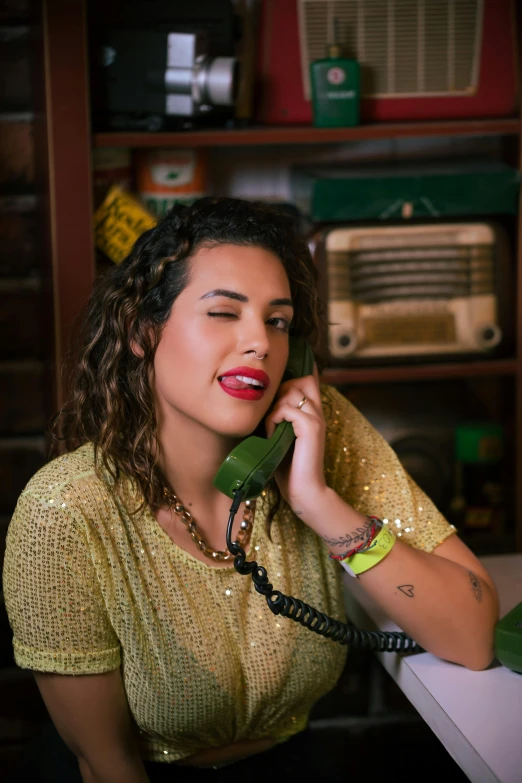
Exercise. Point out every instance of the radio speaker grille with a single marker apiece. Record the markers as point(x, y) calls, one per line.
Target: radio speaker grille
point(420, 272)
point(405, 47)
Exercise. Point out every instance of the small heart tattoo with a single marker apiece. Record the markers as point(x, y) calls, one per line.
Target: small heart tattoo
point(407, 590)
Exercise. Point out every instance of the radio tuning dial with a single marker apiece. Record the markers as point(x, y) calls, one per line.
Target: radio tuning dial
point(346, 342)
point(343, 341)
point(490, 335)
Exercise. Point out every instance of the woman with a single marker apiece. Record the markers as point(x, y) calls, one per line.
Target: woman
point(156, 660)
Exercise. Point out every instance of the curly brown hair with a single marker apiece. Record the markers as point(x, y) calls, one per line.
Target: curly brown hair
point(121, 325)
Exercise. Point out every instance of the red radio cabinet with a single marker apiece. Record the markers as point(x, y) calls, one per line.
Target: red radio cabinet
point(420, 59)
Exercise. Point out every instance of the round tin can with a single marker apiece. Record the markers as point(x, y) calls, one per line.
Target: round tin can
point(165, 177)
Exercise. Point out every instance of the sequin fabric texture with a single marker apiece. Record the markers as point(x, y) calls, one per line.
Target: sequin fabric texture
point(90, 587)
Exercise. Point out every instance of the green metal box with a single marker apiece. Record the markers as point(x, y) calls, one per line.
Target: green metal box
point(508, 639)
point(435, 189)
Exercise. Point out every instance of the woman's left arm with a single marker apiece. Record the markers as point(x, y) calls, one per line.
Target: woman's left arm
point(444, 599)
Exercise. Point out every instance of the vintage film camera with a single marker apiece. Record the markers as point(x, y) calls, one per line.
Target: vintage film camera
point(162, 65)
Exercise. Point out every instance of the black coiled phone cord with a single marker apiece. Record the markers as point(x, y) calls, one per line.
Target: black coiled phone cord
point(300, 612)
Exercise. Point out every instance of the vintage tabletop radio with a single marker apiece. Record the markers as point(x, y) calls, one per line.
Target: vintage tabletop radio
point(419, 59)
point(415, 291)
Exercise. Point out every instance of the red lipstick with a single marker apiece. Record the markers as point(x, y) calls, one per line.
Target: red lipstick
point(237, 387)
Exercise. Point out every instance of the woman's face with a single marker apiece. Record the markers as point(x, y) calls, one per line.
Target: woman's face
point(237, 304)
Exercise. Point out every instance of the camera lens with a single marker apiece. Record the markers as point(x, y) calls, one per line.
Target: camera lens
point(221, 81)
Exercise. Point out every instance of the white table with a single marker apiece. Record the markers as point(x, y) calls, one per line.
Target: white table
point(476, 715)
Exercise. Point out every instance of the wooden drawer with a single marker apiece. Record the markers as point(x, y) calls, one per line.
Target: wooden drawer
point(21, 323)
point(6, 637)
point(16, 155)
point(22, 715)
point(22, 710)
point(14, 10)
point(4, 524)
point(20, 458)
point(18, 242)
point(22, 398)
point(15, 85)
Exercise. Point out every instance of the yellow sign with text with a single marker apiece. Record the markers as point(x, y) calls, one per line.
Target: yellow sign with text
point(118, 222)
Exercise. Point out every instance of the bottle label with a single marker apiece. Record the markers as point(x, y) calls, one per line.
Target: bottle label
point(335, 75)
point(342, 94)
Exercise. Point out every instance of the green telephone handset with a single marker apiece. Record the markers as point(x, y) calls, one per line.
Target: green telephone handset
point(243, 476)
point(251, 464)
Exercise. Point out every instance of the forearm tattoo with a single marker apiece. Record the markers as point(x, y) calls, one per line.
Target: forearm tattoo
point(350, 539)
point(475, 586)
point(407, 590)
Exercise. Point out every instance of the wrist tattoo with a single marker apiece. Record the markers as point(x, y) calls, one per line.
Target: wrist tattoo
point(475, 586)
point(407, 590)
point(349, 539)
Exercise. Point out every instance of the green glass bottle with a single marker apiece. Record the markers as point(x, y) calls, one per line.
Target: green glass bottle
point(335, 87)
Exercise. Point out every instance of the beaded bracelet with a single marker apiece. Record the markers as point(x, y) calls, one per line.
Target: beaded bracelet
point(364, 545)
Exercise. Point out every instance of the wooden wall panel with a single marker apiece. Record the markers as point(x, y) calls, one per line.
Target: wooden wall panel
point(15, 84)
point(16, 155)
point(22, 713)
point(20, 458)
point(4, 523)
point(68, 139)
point(20, 323)
point(14, 9)
point(18, 243)
point(22, 398)
point(6, 648)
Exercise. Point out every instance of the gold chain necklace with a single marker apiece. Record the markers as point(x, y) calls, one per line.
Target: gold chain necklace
point(188, 520)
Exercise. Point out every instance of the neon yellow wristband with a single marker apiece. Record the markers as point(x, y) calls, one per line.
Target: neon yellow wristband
point(381, 546)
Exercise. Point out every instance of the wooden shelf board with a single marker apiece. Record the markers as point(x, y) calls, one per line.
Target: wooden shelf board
point(419, 372)
point(10, 366)
point(306, 134)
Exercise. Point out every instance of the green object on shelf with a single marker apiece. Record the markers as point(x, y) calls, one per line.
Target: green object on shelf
point(508, 639)
point(419, 189)
point(480, 442)
point(334, 84)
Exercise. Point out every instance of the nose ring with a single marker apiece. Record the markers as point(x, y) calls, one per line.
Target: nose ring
point(259, 357)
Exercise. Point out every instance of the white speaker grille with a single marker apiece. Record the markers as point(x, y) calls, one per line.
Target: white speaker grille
point(404, 47)
point(390, 265)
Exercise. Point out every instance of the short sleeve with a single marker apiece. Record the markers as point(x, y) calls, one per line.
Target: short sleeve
point(365, 471)
point(52, 595)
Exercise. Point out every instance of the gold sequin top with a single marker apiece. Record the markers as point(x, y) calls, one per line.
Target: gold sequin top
point(90, 587)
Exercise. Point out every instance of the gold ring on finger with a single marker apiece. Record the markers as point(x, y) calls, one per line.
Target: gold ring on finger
point(303, 402)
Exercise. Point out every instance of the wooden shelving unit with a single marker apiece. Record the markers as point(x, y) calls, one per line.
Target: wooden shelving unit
point(269, 135)
point(70, 144)
point(338, 376)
